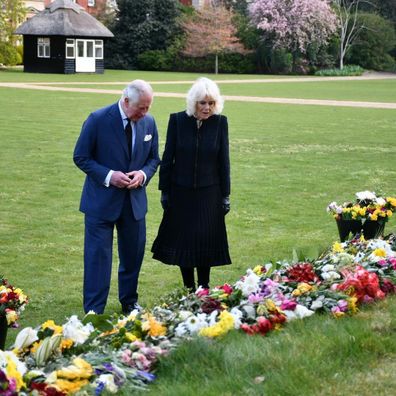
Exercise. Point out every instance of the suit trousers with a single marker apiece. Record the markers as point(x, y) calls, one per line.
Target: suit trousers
point(98, 253)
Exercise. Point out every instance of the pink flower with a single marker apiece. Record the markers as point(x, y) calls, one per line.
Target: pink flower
point(288, 305)
point(255, 298)
point(227, 288)
point(201, 292)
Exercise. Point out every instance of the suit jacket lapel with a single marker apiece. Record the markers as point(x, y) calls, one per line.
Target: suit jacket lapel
point(139, 128)
point(118, 127)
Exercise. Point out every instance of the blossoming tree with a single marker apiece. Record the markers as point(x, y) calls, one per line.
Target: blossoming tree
point(294, 24)
point(211, 32)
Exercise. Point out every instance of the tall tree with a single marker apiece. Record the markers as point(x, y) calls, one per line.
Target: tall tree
point(12, 14)
point(348, 24)
point(210, 31)
point(294, 24)
point(140, 25)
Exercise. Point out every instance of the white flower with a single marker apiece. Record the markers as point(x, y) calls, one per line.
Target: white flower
point(108, 381)
point(249, 310)
point(76, 331)
point(333, 207)
point(330, 275)
point(212, 317)
point(300, 312)
point(237, 315)
point(195, 323)
point(181, 330)
point(248, 284)
point(25, 338)
point(328, 267)
point(380, 201)
point(318, 303)
point(183, 315)
point(365, 195)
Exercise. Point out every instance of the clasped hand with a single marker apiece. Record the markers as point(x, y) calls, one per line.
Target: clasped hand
point(129, 180)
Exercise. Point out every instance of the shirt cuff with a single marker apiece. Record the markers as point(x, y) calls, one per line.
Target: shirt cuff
point(144, 176)
point(108, 178)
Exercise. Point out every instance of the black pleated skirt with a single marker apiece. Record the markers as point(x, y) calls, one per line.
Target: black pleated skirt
point(192, 232)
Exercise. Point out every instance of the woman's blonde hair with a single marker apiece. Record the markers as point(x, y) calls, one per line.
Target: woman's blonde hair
point(202, 88)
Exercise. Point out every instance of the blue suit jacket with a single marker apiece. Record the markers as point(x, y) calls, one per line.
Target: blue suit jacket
point(101, 147)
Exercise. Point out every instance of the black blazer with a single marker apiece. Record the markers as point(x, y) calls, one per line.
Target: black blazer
point(196, 157)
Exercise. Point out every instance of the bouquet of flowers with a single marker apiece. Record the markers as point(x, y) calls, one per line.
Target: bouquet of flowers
point(12, 302)
point(367, 206)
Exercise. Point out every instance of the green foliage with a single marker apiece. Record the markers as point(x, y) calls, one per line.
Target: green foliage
point(12, 14)
point(8, 54)
point(138, 27)
point(281, 61)
point(348, 70)
point(170, 61)
point(375, 43)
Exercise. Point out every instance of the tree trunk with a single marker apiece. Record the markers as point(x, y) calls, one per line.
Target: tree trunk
point(216, 64)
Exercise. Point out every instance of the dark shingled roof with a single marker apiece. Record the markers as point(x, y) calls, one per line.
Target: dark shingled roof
point(64, 18)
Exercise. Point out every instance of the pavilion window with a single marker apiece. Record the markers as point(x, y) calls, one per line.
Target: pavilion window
point(70, 49)
point(99, 49)
point(43, 47)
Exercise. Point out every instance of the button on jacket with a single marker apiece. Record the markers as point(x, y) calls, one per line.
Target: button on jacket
point(196, 157)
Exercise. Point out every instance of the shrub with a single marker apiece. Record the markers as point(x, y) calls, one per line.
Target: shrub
point(348, 70)
point(8, 54)
point(375, 43)
point(281, 61)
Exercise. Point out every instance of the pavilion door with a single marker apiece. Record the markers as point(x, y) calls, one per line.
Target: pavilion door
point(85, 59)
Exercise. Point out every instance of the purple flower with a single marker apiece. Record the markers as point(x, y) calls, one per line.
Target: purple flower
point(255, 298)
point(343, 305)
point(147, 376)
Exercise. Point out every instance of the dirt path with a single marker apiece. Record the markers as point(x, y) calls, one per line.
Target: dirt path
point(54, 86)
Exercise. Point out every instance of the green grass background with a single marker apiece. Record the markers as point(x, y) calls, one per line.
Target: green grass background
point(288, 162)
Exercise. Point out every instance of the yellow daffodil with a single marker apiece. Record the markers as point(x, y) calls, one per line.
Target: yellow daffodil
point(337, 248)
point(131, 337)
point(352, 301)
point(12, 372)
point(66, 344)
point(258, 270)
point(339, 314)
point(379, 252)
point(154, 328)
point(271, 305)
point(50, 324)
point(391, 200)
point(223, 326)
point(11, 316)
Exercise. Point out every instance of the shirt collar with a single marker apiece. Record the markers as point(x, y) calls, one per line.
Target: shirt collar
point(123, 115)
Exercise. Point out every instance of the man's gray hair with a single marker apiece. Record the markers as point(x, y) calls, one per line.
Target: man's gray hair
point(135, 89)
point(202, 88)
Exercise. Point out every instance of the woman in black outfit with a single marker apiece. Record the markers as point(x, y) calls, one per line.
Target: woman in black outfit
point(194, 180)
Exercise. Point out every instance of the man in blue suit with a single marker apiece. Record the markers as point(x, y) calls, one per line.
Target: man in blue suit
point(118, 151)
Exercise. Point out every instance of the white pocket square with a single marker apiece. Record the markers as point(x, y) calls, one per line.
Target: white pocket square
point(147, 138)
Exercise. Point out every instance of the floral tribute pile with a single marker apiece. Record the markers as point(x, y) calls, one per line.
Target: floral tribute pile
point(12, 302)
point(110, 353)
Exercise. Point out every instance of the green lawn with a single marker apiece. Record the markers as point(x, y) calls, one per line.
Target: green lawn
point(288, 162)
point(370, 90)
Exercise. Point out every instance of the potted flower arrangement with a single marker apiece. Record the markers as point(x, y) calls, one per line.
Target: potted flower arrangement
point(367, 215)
point(12, 303)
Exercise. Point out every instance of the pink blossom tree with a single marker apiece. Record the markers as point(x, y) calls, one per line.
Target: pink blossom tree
point(294, 24)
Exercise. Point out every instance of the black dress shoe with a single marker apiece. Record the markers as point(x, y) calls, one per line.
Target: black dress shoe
point(127, 309)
